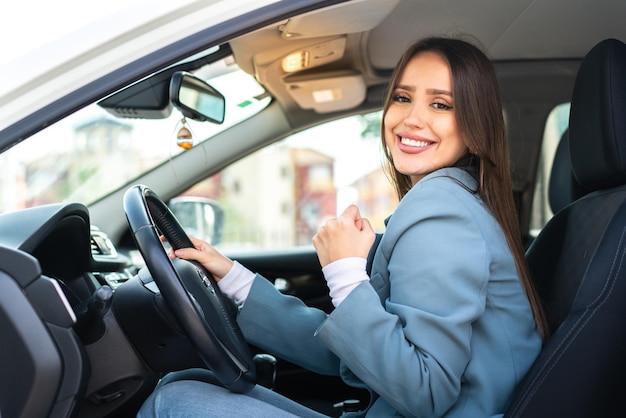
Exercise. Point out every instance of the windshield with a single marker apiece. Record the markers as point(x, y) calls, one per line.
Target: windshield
point(92, 153)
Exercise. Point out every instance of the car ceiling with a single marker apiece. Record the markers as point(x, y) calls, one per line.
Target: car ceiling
point(508, 30)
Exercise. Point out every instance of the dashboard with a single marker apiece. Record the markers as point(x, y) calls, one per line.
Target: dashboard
point(79, 317)
point(69, 249)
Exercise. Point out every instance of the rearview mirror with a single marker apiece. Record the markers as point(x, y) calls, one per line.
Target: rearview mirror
point(196, 99)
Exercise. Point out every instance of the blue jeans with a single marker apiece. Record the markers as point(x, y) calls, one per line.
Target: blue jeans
point(196, 393)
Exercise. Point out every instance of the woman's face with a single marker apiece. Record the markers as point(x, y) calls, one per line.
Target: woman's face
point(420, 124)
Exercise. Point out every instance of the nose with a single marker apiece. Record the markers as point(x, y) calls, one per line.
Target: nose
point(415, 117)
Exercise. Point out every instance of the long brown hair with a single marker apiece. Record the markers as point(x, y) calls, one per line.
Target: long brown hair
point(479, 117)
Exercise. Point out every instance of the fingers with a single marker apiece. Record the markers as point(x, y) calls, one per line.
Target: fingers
point(351, 213)
point(350, 216)
point(217, 264)
point(202, 245)
point(348, 235)
point(197, 243)
point(188, 254)
point(366, 226)
point(201, 253)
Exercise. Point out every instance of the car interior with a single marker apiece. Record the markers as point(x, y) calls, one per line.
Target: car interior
point(93, 313)
point(577, 258)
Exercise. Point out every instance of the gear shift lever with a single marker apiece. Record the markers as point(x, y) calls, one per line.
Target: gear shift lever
point(90, 325)
point(265, 365)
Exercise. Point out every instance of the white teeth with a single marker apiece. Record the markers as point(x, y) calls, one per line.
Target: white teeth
point(414, 143)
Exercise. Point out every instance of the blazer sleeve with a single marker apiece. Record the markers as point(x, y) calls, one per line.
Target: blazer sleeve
point(413, 348)
point(285, 326)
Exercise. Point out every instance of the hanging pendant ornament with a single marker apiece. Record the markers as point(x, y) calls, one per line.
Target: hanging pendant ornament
point(184, 137)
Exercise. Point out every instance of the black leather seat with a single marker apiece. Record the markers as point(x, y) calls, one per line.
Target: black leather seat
point(578, 260)
point(563, 188)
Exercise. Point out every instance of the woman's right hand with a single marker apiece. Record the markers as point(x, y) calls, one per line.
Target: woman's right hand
point(217, 264)
point(348, 235)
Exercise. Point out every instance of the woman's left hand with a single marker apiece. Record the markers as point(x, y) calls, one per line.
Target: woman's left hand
point(348, 235)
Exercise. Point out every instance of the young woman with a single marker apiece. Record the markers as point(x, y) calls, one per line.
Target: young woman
point(447, 323)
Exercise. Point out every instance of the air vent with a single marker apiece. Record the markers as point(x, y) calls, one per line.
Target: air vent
point(95, 248)
point(101, 245)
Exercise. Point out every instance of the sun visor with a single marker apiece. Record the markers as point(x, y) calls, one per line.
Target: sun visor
point(328, 92)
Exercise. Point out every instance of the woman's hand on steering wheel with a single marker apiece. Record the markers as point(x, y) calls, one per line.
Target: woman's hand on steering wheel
point(188, 285)
point(211, 259)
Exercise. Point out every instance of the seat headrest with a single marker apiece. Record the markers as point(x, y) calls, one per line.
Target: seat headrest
point(597, 126)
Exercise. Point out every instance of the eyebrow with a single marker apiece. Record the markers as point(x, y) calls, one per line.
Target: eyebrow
point(438, 91)
point(429, 91)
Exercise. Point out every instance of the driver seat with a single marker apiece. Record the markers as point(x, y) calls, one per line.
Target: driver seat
point(578, 259)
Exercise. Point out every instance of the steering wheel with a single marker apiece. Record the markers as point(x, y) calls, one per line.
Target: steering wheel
point(190, 291)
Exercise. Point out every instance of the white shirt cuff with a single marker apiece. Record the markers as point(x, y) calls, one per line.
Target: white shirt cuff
point(237, 283)
point(343, 276)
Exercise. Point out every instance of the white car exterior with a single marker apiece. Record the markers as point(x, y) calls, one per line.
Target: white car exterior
point(48, 73)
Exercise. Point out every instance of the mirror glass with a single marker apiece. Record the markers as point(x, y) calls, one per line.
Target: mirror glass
point(196, 99)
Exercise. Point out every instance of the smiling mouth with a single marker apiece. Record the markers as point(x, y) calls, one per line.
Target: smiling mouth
point(414, 142)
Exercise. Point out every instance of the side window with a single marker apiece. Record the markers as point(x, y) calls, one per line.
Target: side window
point(556, 124)
point(278, 197)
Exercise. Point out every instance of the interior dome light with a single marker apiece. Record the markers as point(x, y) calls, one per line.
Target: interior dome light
point(296, 61)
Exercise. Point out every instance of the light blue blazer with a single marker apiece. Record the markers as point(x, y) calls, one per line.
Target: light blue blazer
point(443, 327)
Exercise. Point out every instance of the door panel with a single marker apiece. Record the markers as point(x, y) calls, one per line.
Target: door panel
point(295, 272)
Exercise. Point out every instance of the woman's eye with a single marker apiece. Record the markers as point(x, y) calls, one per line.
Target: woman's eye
point(401, 98)
point(441, 106)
